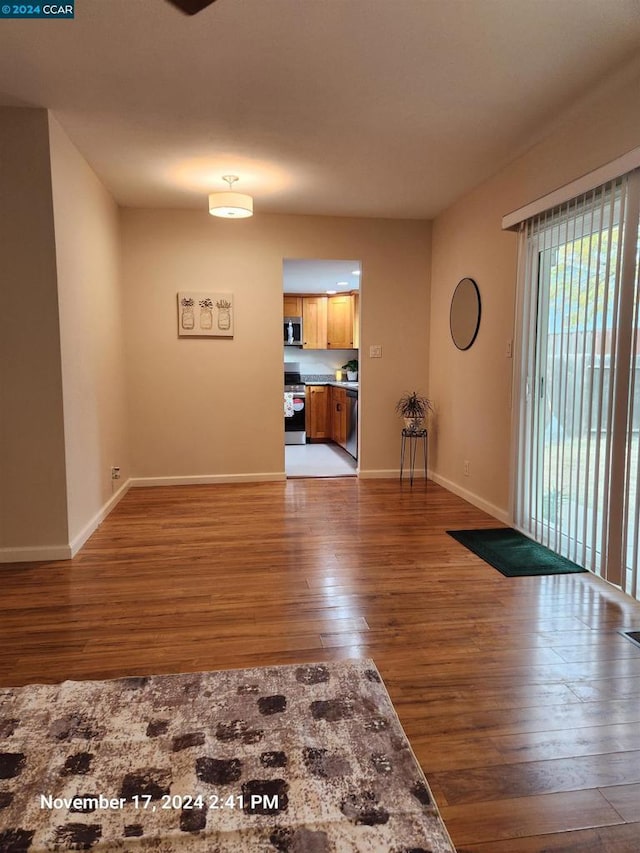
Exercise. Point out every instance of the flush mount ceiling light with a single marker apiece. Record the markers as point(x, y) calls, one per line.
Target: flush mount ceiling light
point(230, 205)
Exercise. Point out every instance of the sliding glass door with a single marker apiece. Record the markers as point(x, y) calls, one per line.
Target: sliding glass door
point(577, 488)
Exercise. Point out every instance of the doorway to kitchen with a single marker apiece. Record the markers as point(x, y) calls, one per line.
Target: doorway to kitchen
point(321, 342)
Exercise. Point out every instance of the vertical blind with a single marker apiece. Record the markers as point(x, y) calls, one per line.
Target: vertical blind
point(577, 484)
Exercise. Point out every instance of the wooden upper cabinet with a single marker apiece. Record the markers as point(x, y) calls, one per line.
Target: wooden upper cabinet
point(314, 322)
point(340, 322)
point(356, 321)
point(327, 322)
point(292, 305)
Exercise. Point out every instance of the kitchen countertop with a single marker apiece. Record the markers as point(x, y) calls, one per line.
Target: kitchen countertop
point(349, 385)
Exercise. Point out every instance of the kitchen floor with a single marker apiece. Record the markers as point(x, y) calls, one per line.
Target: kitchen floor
point(318, 460)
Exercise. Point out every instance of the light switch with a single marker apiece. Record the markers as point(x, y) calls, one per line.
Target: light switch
point(375, 351)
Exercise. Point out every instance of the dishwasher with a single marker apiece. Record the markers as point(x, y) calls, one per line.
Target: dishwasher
point(352, 422)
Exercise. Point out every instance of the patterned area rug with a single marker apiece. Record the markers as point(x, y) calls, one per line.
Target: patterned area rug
point(293, 759)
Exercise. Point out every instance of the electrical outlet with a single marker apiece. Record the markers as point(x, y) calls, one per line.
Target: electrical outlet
point(466, 467)
point(375, 351)
point(115, 472)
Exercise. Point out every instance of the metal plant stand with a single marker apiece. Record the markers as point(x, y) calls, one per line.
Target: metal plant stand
point(414, 436)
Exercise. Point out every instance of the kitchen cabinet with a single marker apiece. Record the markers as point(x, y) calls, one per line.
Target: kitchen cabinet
point(318, 411)
point(339, 416)
point(314, 322)
point(340, 322)
point(356, 321)
point(327, 322)
point(292, 305)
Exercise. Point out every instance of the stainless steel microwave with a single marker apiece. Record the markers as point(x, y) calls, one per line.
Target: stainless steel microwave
point(293, 331)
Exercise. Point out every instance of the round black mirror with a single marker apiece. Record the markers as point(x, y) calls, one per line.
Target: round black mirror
point(464, 319)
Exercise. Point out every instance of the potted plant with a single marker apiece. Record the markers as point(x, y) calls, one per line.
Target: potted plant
point(352, 369)
point(413, 407)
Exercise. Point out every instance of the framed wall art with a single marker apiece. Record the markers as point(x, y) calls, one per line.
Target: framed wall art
point(205, 315)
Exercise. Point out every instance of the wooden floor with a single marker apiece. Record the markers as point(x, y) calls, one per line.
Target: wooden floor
point(521, 700)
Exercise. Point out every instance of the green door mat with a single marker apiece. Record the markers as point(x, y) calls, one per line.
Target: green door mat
point(514, 554)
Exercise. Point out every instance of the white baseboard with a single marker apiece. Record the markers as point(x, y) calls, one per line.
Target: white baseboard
point(78, 541)
point(471, 497)
point(207, 479)
point(390, 474)
point(40, 553)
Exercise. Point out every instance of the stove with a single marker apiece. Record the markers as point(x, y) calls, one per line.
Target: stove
point(293, 381)
point(294, 406)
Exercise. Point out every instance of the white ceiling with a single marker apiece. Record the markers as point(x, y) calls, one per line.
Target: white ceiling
point(314, 276)
point(387, 108)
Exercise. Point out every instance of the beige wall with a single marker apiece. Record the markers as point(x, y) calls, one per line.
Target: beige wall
point(472, 389)
point(213, 408)
point(32, 464)
point(92, 338)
